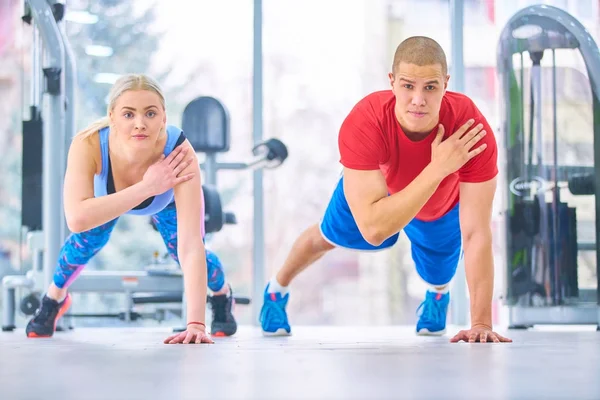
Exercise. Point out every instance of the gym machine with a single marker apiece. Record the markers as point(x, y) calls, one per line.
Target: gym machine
point(43, 160)
point(206, 125)
point(545, 218)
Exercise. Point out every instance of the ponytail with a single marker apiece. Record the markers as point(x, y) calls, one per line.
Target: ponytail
point(94, 127)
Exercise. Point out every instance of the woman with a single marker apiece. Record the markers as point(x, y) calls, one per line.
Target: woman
point(131, 162)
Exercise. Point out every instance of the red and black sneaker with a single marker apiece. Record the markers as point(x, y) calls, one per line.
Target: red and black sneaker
point(43, 323)
point(223, 321)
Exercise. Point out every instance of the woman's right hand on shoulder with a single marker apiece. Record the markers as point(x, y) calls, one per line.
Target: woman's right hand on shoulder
point(165, 173)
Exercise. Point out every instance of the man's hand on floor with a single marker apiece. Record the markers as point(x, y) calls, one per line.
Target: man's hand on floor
point(481, 334)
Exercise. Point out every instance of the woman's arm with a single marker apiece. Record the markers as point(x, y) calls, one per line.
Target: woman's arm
point(83, 211)
point(190, 245)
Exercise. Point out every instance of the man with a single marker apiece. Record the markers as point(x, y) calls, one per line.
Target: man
point(409, 155)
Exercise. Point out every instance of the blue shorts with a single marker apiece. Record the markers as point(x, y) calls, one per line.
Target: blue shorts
point(436, 245)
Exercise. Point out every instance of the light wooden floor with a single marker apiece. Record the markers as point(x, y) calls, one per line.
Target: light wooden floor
point(315, 363)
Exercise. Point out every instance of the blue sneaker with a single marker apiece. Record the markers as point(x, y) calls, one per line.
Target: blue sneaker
point(273, 318)
point(433, 312)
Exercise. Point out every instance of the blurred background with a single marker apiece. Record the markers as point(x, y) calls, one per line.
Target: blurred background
point(319, 58)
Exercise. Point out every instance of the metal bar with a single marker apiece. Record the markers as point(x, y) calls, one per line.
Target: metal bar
point(258, 267)
point(210, 169)
point(53, 141)
point(563, 172)
point(556, 315)
point(457, 27)
point(522, 108)
point(70, 76)
point(460, 304)
point(596, 144)
point(556, 190)
point(587, 246)
point(230, 166)
point(9, 306)
point(593, 73)
point(124, 281)
point(255, 163)
point(36, 50)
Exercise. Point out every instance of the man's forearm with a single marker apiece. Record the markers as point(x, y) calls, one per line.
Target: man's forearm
point(193, 264)
point(479, 270)
point(392, 213)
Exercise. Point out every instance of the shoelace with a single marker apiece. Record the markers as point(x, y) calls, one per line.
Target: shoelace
point(219, 307)
point(432, 310)
point(45, 312)
point(275, 312)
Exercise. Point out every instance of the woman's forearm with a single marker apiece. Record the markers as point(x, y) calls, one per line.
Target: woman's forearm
point(193, 264)
point(91, 213)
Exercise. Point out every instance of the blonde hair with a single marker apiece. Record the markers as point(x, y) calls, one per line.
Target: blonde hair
point(421, 51)
point(122, 85)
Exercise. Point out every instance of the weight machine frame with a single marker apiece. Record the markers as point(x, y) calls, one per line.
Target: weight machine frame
point(566, 33)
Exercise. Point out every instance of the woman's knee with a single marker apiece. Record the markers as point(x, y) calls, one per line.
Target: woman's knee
point(215, 272)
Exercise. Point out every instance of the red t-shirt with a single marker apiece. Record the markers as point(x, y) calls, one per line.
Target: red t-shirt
point(371, 138)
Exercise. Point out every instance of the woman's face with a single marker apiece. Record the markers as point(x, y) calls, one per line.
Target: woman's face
point(138, 118)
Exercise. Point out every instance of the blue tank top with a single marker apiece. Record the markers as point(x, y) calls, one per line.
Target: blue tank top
point(104, 184)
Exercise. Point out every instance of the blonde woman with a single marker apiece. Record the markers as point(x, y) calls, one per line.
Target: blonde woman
point(132, 162)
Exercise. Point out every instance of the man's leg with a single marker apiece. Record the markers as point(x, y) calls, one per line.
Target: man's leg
point(76, 252)
point(337, 229)
point(222, 302)
point(436, 250)
point(307, 249)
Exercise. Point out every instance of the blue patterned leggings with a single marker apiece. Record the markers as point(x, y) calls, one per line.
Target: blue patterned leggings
point(79, 248)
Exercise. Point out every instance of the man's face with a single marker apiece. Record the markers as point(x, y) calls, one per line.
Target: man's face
point(419, 91)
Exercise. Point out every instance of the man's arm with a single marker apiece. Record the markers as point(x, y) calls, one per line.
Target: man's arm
point(475, 222)
point(378, 215)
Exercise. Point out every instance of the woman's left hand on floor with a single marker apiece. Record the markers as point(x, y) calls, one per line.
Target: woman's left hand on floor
point(193, 334)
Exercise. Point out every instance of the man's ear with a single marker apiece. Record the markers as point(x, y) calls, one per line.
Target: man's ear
point(446, 82)
point(391, 78)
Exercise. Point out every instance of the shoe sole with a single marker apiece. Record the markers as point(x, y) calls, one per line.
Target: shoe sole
point(222, 333)
point(426, 332)
point(61, 312)
point(278, 332)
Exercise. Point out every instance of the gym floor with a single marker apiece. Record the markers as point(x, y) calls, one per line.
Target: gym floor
point(314, 363)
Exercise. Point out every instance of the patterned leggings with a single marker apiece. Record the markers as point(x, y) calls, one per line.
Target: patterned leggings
point(79, 248)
